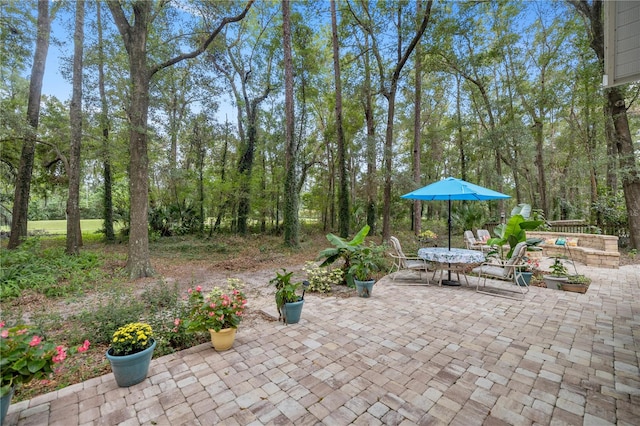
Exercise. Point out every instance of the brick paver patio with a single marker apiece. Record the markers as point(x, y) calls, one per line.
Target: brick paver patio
point(407, 355)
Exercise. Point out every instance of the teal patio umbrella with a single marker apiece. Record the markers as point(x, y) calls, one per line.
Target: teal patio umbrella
point(454, 189)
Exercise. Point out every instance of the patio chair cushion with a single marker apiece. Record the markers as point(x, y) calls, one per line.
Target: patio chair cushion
point(492, 270)
point(415, 264)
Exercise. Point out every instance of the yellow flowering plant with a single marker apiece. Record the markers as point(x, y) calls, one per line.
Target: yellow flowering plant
point(131, 338)
point(428, 234)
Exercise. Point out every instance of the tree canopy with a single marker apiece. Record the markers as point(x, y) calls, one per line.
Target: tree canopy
point(204, 132)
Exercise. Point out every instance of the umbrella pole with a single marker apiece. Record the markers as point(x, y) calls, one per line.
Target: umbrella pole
point(449, 223)
point(449, 281)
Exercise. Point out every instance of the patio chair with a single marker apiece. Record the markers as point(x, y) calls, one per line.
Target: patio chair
point(473, 244)
point(505, 271)
point(483, 235)
point(402, 261)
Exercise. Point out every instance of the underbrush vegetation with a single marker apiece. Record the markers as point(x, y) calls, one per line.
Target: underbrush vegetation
point(45, 270)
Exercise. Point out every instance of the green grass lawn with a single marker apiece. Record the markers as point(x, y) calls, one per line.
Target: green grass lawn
point(59, 227)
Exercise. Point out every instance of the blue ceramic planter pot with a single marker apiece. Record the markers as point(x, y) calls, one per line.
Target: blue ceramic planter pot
point(4, 405)
point(364, 288)
point(292, 311)
point(523, 278)
point(131, 369)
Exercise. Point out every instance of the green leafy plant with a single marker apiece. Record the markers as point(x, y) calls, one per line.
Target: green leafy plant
point(25, 355)
point(165, 313)
point(131, 338)
point(221, 308)
point(578, 279)
point(47, 271)
point(103, 320)
point(345, 250)
point(514, 231)
point(285, 289)
point(558, 269)
point(365, 262)
point(320, 279)
point(468, 216)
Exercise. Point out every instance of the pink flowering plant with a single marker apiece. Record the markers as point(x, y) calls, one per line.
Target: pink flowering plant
point(25, 355)
point(531, 265)
point(219, 309)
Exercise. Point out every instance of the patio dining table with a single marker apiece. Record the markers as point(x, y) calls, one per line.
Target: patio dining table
point(453, 259)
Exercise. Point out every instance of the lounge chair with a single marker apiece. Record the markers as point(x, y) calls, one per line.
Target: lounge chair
point(402, 261)
point(473, 244)
point(505, 271)
point(483, 235)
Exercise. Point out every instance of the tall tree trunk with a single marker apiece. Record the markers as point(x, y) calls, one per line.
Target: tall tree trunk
point(463, 160)
point(628, 163)
point(391, 98)
point(245, 164)
point(372, 188)
point(343, 193)
point(222, 205)
point(74, 234)
point(291, 223)
point(249, 140)
point(390, 94)
point(109, 234)
point(417, 121)
point(617, 113)
point(612, 151)
point(25, 169)
point(200, 147)
point(538, 136)
point(135, 41)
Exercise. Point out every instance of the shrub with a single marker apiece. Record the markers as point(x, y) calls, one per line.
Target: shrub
point(320, 279)
point(166, 309)
point(104, 320)
point(47, 271)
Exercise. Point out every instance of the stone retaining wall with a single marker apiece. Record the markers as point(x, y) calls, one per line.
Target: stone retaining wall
point(590, 249)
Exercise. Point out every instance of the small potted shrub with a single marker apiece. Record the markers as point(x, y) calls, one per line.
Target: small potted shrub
point(577, 283)
point(363, 265)
point(557, 276)
point(218, 312)
point(130, 354)
point(288, 303)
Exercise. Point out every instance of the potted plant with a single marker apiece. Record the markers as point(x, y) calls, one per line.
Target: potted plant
point(219, 312)
point(345, 250)
point(576, 283)
point(26, 355)
point(130, 354)
point(363, 265)
point(514, 231)
point(524, 274)
point(557, 276)
point(288, 303)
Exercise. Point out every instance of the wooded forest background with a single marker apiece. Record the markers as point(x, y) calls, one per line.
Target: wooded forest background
point(336, 109)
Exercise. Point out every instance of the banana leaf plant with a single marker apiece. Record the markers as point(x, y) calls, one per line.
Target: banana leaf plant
point(346, 250)
point(514, 231)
